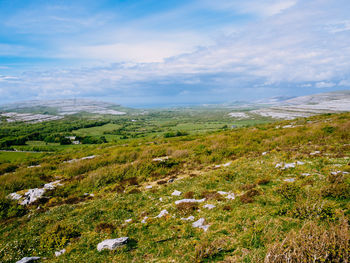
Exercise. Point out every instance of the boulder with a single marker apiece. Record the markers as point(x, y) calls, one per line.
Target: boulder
point(112, 243)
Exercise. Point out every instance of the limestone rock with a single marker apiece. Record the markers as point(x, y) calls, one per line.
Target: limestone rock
point(189, 201)
point(59, 253)
point(28, 259)
point(176, 193)
point(200, 224)
point(112, 243)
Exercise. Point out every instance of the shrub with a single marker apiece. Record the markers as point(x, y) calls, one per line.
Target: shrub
point(341, 191)
point(58, 236)
point(313, 243)
point(10, 208)
point(312, 210)
point(289, 191)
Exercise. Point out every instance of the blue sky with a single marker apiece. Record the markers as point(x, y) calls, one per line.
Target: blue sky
point(172, 52)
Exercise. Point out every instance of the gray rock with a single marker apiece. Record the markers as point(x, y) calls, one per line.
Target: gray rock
point(32, 195)
point(209, 206)
point(189, 201)
point(59, 253)
point(162, 213)
point(200, 224)
point(112, 243)
point(28, 259)
point(176, 193)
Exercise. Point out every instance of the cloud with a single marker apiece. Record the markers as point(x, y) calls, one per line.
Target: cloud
point(321, 85)
point(289, 48)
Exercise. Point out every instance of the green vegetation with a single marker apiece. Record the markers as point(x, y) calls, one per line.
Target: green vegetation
point(271, 219)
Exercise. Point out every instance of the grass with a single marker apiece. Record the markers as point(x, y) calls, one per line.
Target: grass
point(266, 213)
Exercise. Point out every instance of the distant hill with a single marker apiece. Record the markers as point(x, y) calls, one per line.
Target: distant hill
point(44, 110)
point(304, 106)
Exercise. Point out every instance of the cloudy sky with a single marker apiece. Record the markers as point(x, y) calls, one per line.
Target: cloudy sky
point(172, 52)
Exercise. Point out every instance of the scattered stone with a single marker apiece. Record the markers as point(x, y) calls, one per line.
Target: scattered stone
point(148, 186)
point(88, 157)
point(59, 253)
point(305, 174)
point(144, 220)
point(171, 180)
point(162, 213)
point(200, 224)
point(34, 166)
point(284, 166)
point(176, 193)
point(28, 259)
point(223, 165)
point(228, 195)
point(128, 220)
point(112, 243)
point(264, 153)
point(315, 152)
point(52, 185)
point(15, 196)
point(227, 164)
point(190, 218)
point(161, 159)
point(289, 180)
point(161, 199)
point(209, 206)
point(189, 201)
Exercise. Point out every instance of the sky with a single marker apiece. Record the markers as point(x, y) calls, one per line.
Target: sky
point(145, 53)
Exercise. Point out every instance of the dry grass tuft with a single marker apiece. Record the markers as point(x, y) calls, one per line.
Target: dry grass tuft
point(189, 195)
point(248, 197)
point(186, 208)
point(313, 244)
point(212, 195)
point(105, 227)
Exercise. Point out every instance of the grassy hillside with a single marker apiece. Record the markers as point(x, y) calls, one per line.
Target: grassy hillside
point(298, 214)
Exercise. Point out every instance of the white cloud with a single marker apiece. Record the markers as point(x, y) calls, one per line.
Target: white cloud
point(322, 84)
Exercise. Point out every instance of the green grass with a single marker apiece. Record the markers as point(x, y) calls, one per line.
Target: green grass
point(241, 230)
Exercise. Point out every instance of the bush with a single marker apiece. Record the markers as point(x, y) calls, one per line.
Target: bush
point(10, 208)
point(58, 237)
point(313, 243)
point(289, 191)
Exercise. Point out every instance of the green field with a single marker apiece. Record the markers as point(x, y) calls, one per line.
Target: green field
point(297, 213)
